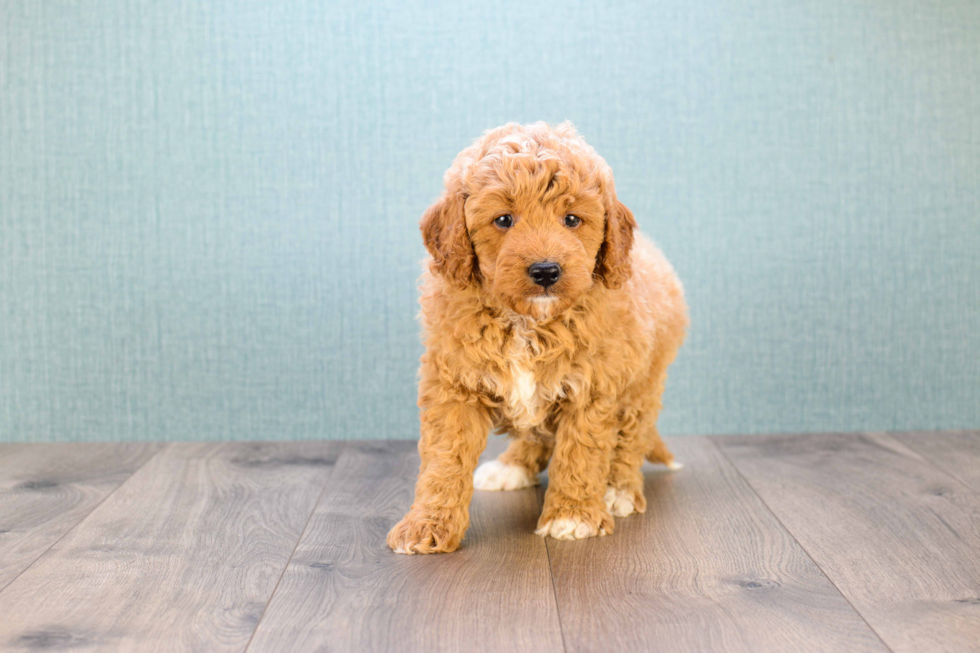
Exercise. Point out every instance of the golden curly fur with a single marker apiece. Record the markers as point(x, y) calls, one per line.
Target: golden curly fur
point(573, 372)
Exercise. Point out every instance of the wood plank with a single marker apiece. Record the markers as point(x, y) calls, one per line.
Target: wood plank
point(706, 568)
point(46, 489)
point(184, 556)
point(345, 590)
point(955, 452)
point(899, 538)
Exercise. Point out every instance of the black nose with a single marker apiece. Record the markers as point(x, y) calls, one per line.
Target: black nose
point(545, 273)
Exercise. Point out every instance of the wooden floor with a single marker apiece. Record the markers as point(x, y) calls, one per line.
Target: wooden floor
point(857, 542)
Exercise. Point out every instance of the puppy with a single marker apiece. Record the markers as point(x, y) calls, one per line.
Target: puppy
point(545, 316)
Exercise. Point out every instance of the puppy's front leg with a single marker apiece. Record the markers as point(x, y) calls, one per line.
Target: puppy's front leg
point(454, 434)
point(574, 507)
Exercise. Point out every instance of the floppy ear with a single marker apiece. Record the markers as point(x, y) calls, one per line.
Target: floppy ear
point(444, 234)
point(613, 262)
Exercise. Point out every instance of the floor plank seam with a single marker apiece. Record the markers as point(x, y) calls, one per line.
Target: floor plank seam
point(539, 495)
point(714, 441)
point(554, 589)
point(928, 459)
point(87, 515)
point(282, 574)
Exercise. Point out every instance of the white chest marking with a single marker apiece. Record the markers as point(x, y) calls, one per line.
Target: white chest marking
point(524, 396)
point(523, 393)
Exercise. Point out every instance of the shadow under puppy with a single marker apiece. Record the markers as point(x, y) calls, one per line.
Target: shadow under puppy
point(548, 317)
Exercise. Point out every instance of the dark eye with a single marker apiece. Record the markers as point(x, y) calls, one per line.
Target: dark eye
point(572, 221)
point(504, 221)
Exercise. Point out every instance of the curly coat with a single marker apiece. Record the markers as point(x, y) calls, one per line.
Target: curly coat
point(573, 372)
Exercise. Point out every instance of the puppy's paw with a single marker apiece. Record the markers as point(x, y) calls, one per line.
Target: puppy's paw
point(417, 533)
point(496, 475)
point(574, 526)
point(621, 502)
point(569, 528)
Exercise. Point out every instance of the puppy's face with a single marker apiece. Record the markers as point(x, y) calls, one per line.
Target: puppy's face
point(530, 214)
point(536, 241)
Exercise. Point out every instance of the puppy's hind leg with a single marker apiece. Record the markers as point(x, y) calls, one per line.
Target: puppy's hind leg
point(518, 467)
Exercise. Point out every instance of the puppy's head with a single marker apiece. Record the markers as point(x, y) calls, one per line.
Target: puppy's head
point(530, 213)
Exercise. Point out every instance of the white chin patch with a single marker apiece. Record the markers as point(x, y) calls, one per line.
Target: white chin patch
point(542, 306)
point(569, 529)
point(619, 502)
point(496, 475)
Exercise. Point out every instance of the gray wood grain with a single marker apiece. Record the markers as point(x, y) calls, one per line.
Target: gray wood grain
point(345, 591)
point(956, 452)
point(899, 538)
point(706, 568)
point(46, 489)
point(184, 556)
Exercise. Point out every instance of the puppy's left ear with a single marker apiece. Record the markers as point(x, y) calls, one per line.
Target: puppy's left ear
point(444, 232)
point(613, 262)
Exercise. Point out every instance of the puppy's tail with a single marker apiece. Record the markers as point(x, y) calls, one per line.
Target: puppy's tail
point(659, 453)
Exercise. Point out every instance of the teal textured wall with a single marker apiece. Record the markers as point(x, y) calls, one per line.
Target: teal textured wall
point(208, 208)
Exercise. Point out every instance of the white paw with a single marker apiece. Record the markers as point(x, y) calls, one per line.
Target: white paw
point(674, 465)
point(569, 529)
point(496, 475)
point(619, 502)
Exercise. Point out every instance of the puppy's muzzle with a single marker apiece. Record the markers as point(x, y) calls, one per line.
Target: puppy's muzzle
point(544, 273)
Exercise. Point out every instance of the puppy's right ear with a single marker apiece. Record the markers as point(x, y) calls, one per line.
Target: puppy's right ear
point(444, 233)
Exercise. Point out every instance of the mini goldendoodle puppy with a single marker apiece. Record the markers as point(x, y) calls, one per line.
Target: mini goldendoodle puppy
point(545, 316)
